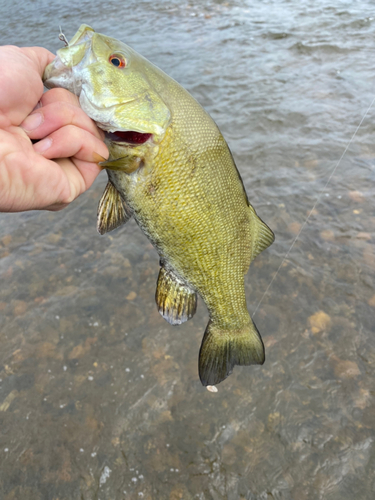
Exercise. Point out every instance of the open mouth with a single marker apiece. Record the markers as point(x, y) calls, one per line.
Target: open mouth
point(128, 137)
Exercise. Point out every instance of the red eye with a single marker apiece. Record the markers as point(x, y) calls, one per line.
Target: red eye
point(117, 61)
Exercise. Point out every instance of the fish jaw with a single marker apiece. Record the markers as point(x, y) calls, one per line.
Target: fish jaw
point(58, 75)
point(65, 70)
point(116, 99)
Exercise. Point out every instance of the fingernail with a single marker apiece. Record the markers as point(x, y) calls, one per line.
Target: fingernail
point(97, 157)
point(43, 145)
point(32, 122)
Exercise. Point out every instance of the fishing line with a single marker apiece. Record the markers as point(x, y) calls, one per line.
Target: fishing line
point(313, 208)
point(63, 38)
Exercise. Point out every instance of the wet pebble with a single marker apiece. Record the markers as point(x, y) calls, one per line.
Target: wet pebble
point(131, 296)
point(320, 321)
point(294, 227)
point(363, 236)
point(345, 369)
point(327, 235)
point(356, 196)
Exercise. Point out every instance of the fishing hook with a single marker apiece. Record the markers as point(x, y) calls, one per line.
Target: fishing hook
point(62, 37)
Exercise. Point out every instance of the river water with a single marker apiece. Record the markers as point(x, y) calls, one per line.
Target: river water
point(99, 396)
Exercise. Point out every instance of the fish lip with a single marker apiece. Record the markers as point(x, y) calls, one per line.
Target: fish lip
point(57, 75)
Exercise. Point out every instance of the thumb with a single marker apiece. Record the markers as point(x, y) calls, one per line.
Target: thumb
point(40, 56)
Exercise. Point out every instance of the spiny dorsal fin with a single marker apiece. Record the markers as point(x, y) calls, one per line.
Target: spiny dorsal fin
point(176, 301)
point(112, 211)
point(263, 237)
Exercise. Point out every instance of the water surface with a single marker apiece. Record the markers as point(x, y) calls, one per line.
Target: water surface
point(99, 396)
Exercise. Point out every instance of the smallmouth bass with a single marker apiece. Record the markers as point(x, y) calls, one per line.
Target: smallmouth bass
point(171, 169)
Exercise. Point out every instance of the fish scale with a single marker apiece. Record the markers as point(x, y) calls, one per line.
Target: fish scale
point(177, 178)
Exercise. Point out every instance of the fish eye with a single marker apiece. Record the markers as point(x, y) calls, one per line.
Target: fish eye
point(117, 61)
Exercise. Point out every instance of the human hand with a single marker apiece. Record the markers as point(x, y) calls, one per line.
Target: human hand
point(63, 164)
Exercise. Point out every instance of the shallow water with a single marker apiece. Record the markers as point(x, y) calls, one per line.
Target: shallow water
point(99, 396)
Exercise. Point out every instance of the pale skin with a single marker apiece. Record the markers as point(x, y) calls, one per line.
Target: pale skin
point(53, 172)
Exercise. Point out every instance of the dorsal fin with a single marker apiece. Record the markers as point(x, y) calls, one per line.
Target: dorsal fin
point(112, 210)
point(262, 236)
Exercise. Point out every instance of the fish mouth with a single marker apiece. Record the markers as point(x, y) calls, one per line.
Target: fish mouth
point(127, 137)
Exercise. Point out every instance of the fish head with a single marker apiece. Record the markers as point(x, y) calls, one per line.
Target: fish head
point(110, 79)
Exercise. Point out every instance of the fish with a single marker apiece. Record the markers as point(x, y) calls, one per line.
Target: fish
point(171, 169)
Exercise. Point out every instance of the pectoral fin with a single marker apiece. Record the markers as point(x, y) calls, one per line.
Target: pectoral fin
point(127, 164)
point(176, 301)
point(112, 210)
point(262, 236)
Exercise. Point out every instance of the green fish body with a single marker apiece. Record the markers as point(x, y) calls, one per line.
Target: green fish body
point(171, 169)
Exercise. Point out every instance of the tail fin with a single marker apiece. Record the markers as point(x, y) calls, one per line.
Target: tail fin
point(222, 349)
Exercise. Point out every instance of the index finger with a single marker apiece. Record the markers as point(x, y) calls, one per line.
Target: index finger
point(59, 95)
point(20, 80)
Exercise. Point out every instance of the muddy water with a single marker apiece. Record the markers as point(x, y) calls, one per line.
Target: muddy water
point(99, 396)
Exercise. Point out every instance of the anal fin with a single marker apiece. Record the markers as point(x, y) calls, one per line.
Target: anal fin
point(176, 301)
point(263, 236)
point(112, 210)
